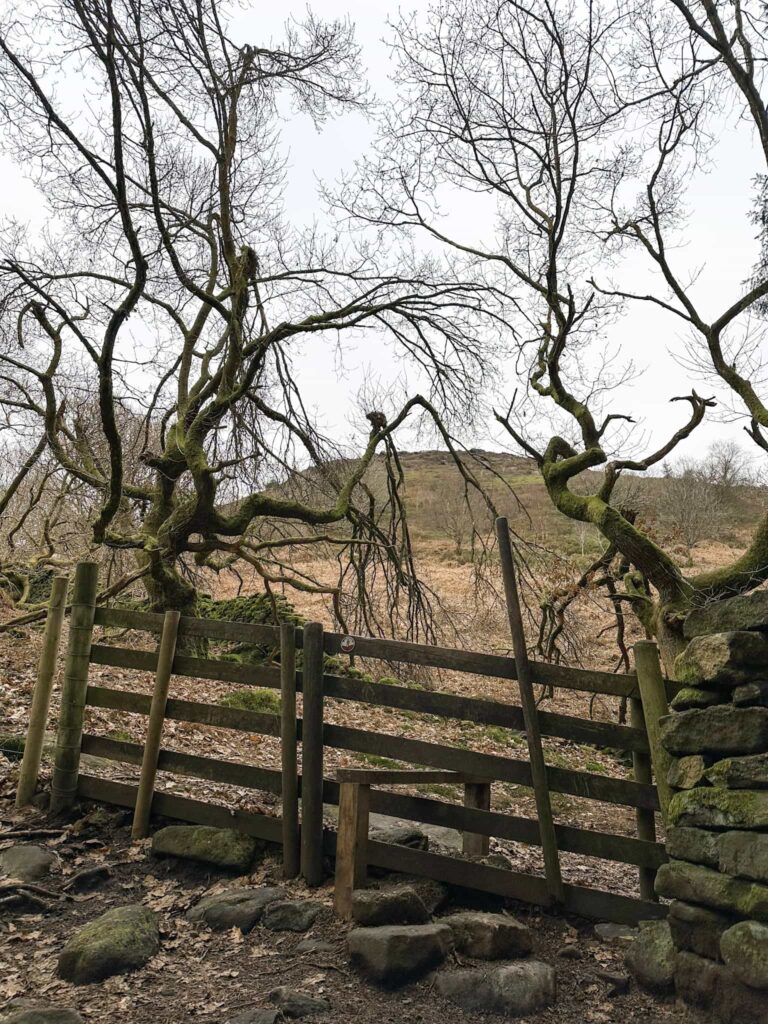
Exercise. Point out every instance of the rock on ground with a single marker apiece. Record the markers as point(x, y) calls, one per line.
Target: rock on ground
point(257, 1016)
point(235, 908)
point(401, 835)
point(222, 847)
point(744, 948)
point(294, 1003)
point(609, 931)
point(27, 862)
point(25, 1011)
point(399, 904)
point(515, 990)
point(651, 957)
point(396, 954)
point(119, 941)
point(489, 936)
point(291, 915)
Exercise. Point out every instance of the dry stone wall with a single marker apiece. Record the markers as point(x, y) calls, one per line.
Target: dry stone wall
point(717, 837)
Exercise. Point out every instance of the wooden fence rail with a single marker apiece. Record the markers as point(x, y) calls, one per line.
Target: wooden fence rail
point(311, 790)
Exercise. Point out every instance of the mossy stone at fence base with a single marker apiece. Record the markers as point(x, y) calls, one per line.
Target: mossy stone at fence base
point(713, 987)
point(697, 697)
point(235, 908)
point(26, 1011)
point(722, 659)
point(751, 695)
point(698, 929)
point(257, 1015)
point(291, 915)
point(650, 958)
point(489, 936)
point(27, 862)
point(686, 772)
point(693, 883)
point(119, 941)
point(744, 855)
point(739, 772)
point(747, 611)
point(295, 1004)
point(693, 844)
point(515, 990)
point(397, 954)
point(744, 948)
point(720, 730)
point(720, 808)
point(398, 904)
point(222, 847)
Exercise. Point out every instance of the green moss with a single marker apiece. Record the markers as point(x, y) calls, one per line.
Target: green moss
point(380, 762)
point(267, 702)
point(12, 746)
point(719, 808)
point(121, 734)
point(504, 737)
point(596, 767)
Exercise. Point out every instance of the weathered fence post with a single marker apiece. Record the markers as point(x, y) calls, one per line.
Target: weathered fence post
point(72, 713)
point(312, 756)
point(653, 695)
point(351, 845)
point(646, 820)
point(41, 698)
point(166, 652)
point(530, 715)
point(290, 781)
point(478, 796)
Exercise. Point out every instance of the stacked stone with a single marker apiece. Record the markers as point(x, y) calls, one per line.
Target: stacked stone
point(717, 835)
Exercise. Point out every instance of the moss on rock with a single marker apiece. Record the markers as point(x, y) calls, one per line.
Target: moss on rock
point(222, 847)
point(119, 941)
point(693, 883)
point(720, 730)
point(719, 808)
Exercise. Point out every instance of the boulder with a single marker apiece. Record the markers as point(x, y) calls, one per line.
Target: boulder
point(719, 730)
point(686, 772)
point(651, 957)
point(27, 863)
point(697, 929)
point(719, 808)
point(610, 931)
point(258, 1015)
point(515, 990)
point(401, 835)
point(434, 895)
point(235, 908)
point(294, 1003)
point(693, 883)
point(119, 941)
point(396, 954)
point(489, 936)
point(722, 659)
point(744, 948)
point(693, 844)
point(739, 772)
point(714, 988)
point(291, 915)
point(696, 697)
point(222, 847)
point(26, 1011)
point(396, 905)
point(751, 695)
point(747, 611)
point(744, 855)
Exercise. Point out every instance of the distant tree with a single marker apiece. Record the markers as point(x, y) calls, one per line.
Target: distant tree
point(691, 503)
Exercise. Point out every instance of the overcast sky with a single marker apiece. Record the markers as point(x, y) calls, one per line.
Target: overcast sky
point(720, 239)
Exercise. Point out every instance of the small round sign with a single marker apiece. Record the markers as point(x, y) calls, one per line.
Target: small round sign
point(347, 644)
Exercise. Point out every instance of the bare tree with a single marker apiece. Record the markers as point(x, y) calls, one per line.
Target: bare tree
point(170, 292)
point(690, 502)
point(582, 124)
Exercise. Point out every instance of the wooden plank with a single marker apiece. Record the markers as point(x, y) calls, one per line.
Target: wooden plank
point(184, 665)
point(288, 752)
point(213, 629)
point(490, 766)
point(212, 769)
point(165, 653)
point(312, 757)
point(484, 712)
point(528, 700)
point(402, 777)
point(180, 808)
point(351, 845)
point(478, 797)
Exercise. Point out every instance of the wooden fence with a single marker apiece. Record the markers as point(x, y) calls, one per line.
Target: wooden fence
point(309, 790)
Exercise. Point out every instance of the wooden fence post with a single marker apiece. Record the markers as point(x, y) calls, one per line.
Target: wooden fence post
point(166, 652)
point(72, 712)
point(312, 756)
point(351, 845)
point(41, 698)
point(530, 716)
point(478, 796)
point(654, 703)
point(290, 781)
point(646, 820)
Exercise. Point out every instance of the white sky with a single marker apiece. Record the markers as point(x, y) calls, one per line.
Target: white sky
point(720, 239)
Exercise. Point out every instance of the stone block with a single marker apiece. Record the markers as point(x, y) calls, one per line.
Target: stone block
point(693, 883)
point(698, 929)
point(693, 844)
point(720, 730)
point(719, 808)
point(747, 611)
point(722, 659)
point(739, 772)
point(686, 772)
point(744, 855)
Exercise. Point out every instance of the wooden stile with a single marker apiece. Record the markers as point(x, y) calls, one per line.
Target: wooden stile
point(646, 820)
point(653, 695)
point(72, 713)
point(312, 757)
point(41, 698)
point(528, 701)
point(165, 654)
point(288, 750)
